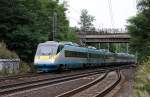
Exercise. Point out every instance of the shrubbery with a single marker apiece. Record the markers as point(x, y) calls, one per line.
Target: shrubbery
point(142, 80)
point(24, 68)
point(5, 53)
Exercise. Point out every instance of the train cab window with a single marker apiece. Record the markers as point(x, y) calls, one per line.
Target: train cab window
point(60, 47)
point(46, 49)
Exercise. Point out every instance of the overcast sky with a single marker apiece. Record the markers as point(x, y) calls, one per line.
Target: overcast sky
point(122, 10)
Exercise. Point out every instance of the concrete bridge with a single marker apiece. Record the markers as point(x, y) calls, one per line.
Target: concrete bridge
point(92, 37)
point(104, 36)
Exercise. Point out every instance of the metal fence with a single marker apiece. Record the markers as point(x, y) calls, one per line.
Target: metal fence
point(8, 66)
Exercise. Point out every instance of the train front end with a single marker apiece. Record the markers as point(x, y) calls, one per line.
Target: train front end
point(46, 55)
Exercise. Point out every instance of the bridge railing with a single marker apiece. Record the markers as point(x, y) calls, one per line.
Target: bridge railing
point(102, 31)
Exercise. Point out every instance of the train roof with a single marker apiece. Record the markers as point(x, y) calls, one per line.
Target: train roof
point(69, 43)
point(49, 42)
point(104, 50)
point(126, 55)
point(63, 43)
point(91, 47)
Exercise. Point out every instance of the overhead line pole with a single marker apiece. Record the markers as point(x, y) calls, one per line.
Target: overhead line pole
point(54, 25)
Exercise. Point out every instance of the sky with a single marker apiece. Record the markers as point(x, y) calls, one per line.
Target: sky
point(121, 9)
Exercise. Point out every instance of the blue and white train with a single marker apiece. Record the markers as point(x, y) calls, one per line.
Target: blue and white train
point(51, 56)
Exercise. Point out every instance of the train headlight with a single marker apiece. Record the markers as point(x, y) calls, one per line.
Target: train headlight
point(52, 60)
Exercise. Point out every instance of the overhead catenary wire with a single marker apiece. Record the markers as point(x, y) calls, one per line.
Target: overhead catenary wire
point(76, 20)
point(75, 11)
point(78, 13)
point(111, 13)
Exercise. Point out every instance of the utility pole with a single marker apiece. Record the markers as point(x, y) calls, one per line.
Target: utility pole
point(54, 25)
point(85, 37)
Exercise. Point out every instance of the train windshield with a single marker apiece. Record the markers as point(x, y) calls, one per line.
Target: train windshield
point(46, 49)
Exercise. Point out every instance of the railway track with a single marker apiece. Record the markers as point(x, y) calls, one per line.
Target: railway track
point(18, 76)
point(47, 76)
point(13, 77)
point(13, 88)
point(111, 87)
point(85, 87)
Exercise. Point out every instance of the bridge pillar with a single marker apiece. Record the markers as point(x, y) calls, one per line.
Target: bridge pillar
point(127, 47)
point(116, 51)
point(118, 46)
point(108, 45)
point(99, 45)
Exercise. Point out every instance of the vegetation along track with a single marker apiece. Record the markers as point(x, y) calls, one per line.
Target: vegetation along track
point(100, 94)
point(38, 83)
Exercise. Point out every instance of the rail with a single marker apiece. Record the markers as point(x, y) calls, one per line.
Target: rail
point(84, 87)
point(110, 88)
point(70, 93)
point(38, 83)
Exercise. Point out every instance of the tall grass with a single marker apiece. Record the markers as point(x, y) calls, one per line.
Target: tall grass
point(5, 53)
point(142, 80)
point(24, 68)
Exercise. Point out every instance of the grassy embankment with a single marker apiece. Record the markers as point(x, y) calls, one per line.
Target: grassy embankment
point(142, 80)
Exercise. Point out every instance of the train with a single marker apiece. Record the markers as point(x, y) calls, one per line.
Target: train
point(53, 56)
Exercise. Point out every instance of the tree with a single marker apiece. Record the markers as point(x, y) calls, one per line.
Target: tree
point(86, 21)
point(25, 23)
point(11, 14)
point(139, 29)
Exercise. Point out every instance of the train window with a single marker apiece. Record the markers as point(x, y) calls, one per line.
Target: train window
point(75, 54)
point(60, 47)
point(91, 55)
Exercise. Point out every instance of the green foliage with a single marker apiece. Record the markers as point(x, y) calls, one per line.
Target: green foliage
point(86, 21)
point(139, 29)
point(142, 80)
point(25, 23)
point(5, 53)
point(24, 68)
point(71, 35)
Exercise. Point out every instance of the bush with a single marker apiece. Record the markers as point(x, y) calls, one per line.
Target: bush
point(142, 80)
point(5, 53)
point(24, 68)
